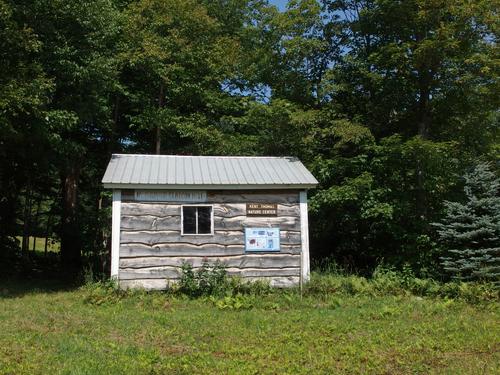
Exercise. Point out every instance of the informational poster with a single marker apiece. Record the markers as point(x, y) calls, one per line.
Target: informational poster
point(262, 239)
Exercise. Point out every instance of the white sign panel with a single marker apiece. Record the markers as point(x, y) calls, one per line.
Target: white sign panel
point(170, 195)
point(262, 239)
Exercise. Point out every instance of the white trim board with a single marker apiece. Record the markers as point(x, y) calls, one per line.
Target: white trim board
point(115, 233)
point(304, 237)
point(206, 187)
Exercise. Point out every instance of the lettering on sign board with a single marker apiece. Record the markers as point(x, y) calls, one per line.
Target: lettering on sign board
point(170, 196)
point(262, 209)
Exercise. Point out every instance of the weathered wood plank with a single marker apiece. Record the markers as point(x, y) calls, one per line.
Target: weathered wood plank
point(156, 273)
point(148, 208)
point(220, 209)
point(147, 284)
point(239, 222)
point(224, 237)
point(176, 249)
point(158, 237)
point(283, 198)
point(175, 272)
point(206, 250)
point(162, 284)
point(241, 261)
point(227, 210)
point(173, 223)
point(150, 222)
point(277, 281)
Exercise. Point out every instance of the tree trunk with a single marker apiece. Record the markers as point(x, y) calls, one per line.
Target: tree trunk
point(158, 126)
point(47, 233)
point(113, 136)
point(423, 112)
point(158, 140)
point(35, 223)
point(423, 125)
point(26, 222)
point(70, 232)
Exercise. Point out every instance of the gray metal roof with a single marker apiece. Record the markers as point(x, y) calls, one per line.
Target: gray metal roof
point(208, 172)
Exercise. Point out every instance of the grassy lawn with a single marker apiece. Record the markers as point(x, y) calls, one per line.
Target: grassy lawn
point(48, 331)
point(52, 245)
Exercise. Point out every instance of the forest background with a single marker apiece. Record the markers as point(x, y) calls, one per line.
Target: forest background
point(389, 104)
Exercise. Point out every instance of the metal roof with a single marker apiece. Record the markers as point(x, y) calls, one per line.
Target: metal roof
point(207, 172)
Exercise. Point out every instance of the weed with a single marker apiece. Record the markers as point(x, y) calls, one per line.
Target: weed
point(102, 292)
point(208, 280)
point(237, 302)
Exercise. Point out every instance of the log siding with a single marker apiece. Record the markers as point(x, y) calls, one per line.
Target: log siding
point(152, 248)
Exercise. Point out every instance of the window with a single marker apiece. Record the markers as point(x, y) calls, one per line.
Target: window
point(197, 219)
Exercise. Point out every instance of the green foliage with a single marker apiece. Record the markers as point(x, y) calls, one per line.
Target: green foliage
point(102, 292)
point(470, 231)
point(387, 281)
point(208, 280)
point(236, 302)
point(386, 102)
point(160, 333)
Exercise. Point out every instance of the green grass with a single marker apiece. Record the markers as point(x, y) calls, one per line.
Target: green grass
point(94, 331)
point(52, 245)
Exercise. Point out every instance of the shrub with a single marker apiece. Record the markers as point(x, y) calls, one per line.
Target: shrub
point(389, 281)
point(102, 292)
point(208, 280)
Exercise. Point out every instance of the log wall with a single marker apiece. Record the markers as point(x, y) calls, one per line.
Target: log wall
point(152, 249)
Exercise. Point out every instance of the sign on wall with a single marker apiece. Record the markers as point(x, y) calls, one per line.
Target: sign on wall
point(262, 239)
point(262, 209)
point(170, 196)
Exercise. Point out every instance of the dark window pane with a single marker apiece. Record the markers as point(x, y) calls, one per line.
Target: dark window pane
point(189, 220)
point(204, 220)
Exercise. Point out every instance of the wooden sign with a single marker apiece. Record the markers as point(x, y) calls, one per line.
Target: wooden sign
point(262, 209)
point(190, 196)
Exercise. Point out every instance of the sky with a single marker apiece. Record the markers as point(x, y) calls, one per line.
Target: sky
point(281, 4)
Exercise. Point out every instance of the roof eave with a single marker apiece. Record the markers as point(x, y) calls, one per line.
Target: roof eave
point(108, 185)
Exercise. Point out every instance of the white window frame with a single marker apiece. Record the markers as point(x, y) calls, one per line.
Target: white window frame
point(211, 220)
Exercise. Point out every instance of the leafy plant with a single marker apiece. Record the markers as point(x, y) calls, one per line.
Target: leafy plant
point(237, 302)
point(102, 292)
point(207, 280)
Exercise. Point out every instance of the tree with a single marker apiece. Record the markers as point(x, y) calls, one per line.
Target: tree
point(77, 53)
point(176, 57)
point(24, 91)
point(470, 230)
point(419, 67)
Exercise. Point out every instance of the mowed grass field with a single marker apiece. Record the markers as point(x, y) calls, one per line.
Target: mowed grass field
point(51, 331)
point(52, 245)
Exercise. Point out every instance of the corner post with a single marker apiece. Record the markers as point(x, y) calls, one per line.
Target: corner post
point(115, 233)
point(304, 237)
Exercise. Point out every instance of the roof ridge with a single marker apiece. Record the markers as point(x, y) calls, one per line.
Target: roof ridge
point(213, 156)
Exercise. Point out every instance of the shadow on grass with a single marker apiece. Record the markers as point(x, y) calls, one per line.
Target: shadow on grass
point(15, 287)
point(37, 274)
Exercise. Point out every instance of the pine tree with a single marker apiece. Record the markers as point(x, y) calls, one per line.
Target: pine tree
point(470, 231)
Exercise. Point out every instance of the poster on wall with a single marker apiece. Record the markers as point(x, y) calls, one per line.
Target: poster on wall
point(262, 239)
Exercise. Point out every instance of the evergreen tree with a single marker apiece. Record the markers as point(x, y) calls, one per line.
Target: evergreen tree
point(471, 230)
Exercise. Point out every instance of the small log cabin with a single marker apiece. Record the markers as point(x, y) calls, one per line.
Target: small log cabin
point(248, 212)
